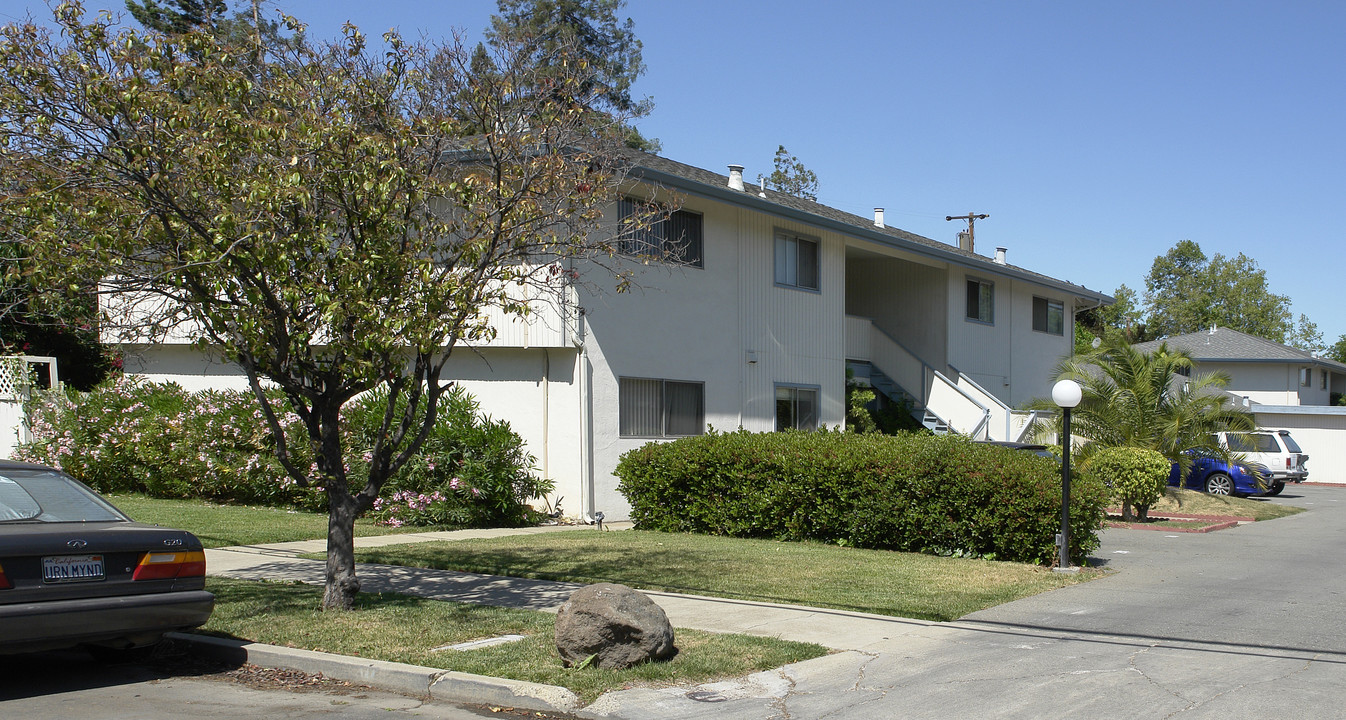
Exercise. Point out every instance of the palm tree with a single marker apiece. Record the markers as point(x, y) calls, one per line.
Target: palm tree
point(1146, 400)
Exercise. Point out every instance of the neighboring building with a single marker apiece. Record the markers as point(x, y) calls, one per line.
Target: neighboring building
point(1284, 387)
point(773, 299)
point(1262, 371)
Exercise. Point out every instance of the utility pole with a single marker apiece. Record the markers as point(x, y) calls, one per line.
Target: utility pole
point(971, 219)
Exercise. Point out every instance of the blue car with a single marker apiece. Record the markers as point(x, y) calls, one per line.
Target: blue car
point(1213, 475)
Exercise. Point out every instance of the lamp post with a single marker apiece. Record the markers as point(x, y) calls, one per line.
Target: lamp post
point(1066, 394)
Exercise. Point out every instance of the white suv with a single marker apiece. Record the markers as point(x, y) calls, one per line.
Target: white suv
point(1273, 449)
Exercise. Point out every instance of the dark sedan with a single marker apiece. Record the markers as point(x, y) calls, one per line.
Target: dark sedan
point(75, 571)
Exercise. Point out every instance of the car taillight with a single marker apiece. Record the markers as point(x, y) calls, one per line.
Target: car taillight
point(1288, 464)
point(168, 565)
point(4, 581)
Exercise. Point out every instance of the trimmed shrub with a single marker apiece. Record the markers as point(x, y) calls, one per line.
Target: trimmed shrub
point(912, 492)
point(134, 436)
point(1138, 477)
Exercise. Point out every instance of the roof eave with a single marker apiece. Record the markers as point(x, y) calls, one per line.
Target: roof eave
point(747, 199)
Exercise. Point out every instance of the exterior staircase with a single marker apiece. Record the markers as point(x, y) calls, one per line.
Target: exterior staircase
point(944, 403)
point(866, 373)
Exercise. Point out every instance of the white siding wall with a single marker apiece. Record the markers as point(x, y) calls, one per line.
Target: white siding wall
point(699, 325)
point(1265, 383)
point(979, 349)
point(1008, 359)
point(902, 298)
point(1035, 354)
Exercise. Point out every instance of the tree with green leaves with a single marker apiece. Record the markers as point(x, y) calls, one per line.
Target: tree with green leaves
point(1121, 320)
point(592, 34)
point(1306, 336)
point(321, 220)
point(1145, 400)
point(65, 328)
point(174, 17)
point(1338, 350)
point(243, 28)
point(1186, 292)
point(791, 177)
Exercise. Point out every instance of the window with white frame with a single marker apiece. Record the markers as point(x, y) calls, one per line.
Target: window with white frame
point(796, 407)
point(676, 237)
point(981, 300)
point(796, 261)
point(649, 407)
point(1049, 316)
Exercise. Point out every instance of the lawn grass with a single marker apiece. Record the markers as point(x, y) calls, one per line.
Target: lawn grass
point(400, 628)
point(887, 583)
point(225, 525)
point(1192, 502)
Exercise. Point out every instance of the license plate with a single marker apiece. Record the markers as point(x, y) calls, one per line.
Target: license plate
point(72, 568)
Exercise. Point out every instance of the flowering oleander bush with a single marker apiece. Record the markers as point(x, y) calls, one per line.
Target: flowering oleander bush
point(133, 436)
point(913, 492)
point(478, 466)
point(127, 435)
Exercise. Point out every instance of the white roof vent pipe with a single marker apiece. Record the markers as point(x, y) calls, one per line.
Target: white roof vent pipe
point(736, 177)
point(1000, 255)
point(878, 217)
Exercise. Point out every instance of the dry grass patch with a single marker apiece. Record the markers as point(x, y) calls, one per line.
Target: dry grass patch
point(1191, 502)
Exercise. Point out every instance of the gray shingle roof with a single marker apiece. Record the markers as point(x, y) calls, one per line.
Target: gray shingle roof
point(1226, 345)
point(687, 178)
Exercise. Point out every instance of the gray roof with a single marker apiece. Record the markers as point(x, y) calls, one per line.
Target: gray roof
point(1225, 345)
point(688, 179)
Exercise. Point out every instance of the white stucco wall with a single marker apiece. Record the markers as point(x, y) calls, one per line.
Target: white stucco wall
point(1320, 431)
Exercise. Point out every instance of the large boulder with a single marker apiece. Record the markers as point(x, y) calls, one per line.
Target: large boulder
point(617, 625)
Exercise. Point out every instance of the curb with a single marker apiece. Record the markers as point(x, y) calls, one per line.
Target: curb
point(435, 683)
point(1142, 526)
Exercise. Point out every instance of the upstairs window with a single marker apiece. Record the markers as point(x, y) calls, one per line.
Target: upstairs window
point(981, 301)
point(660, 408)
point(1305, 377)
point(796, 408)
point(1049, 316)
point(796, 261)
point(676, 238)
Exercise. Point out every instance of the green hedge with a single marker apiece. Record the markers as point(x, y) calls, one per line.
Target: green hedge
point(159, 439)
point(920, 493)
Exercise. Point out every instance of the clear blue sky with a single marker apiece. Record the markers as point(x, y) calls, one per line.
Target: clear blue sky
point(1095, 134)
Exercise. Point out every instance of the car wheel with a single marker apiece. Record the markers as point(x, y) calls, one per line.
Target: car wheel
point(1276, 488)
point(1219, 484)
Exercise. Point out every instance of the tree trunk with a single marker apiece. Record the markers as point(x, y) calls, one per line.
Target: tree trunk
point(1126, 512)
point(342, 584)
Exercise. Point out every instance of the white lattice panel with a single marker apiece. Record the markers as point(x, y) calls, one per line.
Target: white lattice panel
point(14, 380)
